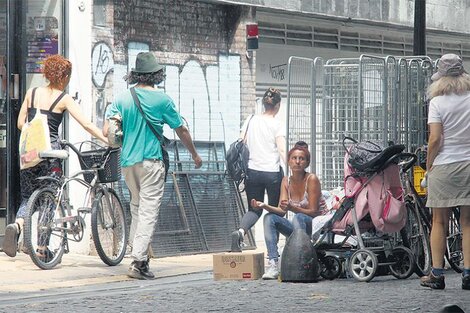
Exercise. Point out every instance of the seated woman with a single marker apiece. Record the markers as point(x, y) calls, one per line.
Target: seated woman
point(300, 194)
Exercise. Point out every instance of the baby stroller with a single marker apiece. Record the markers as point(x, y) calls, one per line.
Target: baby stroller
point(370, 213)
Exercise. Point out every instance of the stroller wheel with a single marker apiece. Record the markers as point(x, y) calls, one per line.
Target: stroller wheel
point(363, 265)
point(331, 267)
point(404, 262)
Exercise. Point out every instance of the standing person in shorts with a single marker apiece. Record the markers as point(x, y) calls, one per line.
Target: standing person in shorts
point(448, 163)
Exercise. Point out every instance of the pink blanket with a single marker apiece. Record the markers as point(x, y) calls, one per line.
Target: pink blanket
point(382, 198)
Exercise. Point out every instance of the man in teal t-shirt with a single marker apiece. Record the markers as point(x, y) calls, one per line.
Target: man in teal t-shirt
point(141, 156)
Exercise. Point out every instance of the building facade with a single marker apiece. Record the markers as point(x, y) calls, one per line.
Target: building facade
point(214, 81)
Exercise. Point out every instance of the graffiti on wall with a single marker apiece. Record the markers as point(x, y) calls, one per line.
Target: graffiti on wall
point(102, 63)
point(207, 96)
point(278, 72)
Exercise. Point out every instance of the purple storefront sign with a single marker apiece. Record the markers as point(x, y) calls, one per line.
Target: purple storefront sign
point(43, 41)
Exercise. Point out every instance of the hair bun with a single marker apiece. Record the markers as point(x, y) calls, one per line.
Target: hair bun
point(301, 144)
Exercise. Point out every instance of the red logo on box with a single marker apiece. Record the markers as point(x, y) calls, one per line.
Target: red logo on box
point(246, 275)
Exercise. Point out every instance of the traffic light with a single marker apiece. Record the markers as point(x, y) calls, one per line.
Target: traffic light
point(251, 36)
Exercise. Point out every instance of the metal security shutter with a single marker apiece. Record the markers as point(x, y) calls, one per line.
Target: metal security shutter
point(315, 33)
point(200, 208)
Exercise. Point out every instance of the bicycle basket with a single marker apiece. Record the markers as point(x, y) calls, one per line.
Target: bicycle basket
point(93, 159)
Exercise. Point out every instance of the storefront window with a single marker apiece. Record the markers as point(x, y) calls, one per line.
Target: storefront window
point(43, 33)
point(30, 30)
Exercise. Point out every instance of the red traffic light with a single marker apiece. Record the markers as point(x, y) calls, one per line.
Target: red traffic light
point(252, 30)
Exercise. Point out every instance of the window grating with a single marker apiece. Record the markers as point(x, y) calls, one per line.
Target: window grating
point(335, 38)
point(200, 208)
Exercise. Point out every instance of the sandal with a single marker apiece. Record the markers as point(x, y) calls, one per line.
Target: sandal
point(45, 255)
point(10, 242)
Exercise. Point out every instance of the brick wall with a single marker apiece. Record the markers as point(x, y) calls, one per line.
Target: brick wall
point(203, 47)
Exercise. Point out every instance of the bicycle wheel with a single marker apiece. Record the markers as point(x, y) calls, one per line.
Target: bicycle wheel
point(403, 262)
point(454, 254)
point(108, 227)
point(415, 236)
point(44, 229)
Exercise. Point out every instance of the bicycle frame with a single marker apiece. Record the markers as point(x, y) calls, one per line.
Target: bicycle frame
point(63, 200)
point(51, 214)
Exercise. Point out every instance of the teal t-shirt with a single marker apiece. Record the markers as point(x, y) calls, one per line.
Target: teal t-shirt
point(139, 142)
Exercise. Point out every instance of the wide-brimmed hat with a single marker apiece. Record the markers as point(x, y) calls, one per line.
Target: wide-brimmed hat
point(146, 63)
point(449, 65)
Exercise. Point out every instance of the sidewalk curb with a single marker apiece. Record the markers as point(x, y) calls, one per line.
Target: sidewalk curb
point(19, 274)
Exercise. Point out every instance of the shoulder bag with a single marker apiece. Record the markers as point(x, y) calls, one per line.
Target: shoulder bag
point(164, 142)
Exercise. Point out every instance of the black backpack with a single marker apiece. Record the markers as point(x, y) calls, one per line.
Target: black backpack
point(237, 161)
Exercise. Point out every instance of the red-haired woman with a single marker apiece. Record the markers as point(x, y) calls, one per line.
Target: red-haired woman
point(300, 194)
point(52, 100)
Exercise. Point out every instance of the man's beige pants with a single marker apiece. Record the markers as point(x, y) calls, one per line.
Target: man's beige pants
point(145, 181)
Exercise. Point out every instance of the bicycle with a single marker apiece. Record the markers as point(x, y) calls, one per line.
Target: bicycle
point(51, 222)
point(453, 254)
point(415, 234)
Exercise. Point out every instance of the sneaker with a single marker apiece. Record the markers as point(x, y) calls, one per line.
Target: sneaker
point(466, 282)
point(273, 270)
point(10, 241)
point(237, 240)
point(140, 270)
point(433, 282)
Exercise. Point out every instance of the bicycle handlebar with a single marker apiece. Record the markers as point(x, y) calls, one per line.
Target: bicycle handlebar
point(80, 155)
point(54, 154)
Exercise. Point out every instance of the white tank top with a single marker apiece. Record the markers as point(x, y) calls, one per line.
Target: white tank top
point(261, 141)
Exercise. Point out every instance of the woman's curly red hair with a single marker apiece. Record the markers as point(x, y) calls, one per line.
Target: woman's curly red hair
point(57, 69)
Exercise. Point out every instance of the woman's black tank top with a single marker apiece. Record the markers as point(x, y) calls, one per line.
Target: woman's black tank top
point(53, 119)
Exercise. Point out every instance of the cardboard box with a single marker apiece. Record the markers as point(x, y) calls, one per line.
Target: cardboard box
point(245, 265)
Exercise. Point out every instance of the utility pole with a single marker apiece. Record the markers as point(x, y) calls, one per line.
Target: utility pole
point(419, 35)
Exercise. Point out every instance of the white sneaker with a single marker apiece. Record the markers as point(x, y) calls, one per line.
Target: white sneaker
point(273, 270)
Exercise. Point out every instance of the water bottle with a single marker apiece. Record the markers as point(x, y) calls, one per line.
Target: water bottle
point(424, 181)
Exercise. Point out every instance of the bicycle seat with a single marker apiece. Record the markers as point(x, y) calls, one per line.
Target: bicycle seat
point(54, 154)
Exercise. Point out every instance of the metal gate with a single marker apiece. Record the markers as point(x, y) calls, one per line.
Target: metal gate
point(368, 98)
point(200, 208)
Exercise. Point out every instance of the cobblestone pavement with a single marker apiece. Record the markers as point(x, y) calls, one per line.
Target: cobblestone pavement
point(199, 293)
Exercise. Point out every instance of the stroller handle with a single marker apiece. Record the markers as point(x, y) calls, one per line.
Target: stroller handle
point(407, 160)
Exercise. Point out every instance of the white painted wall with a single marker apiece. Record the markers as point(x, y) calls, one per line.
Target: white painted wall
point(207, 97)
point(79, 23)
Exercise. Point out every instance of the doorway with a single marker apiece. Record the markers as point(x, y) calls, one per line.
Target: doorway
point(30, 31)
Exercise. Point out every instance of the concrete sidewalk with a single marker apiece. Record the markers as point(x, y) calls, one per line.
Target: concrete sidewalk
point(19, 274)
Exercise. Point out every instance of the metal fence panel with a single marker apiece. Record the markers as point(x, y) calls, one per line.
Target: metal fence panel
point(368, 98)
point(200, 208)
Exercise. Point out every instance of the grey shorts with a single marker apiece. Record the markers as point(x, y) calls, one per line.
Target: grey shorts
point(449, 185)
